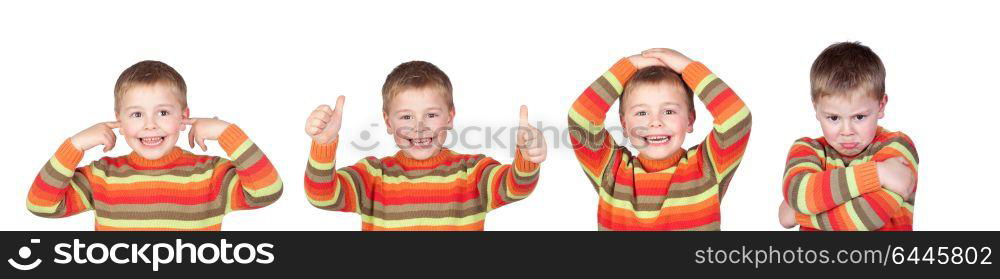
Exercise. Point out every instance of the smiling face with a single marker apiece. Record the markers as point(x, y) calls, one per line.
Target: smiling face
point(150, 119)
point(418, 120)
point(849, 121)
point(657, 117)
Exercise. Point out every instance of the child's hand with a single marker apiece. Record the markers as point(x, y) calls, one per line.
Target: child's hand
point(640, 61)
point(786, 215)
point(323, 124)
point(673, 59)
point(530, 140)
point(204, 129)
point(99, 134)
point(895, 175)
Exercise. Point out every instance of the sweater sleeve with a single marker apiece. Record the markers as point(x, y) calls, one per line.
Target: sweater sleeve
point(61, 189)
point(347, 189)
point(249, 179)
point(500, 185)
point(873, 209)
point(593, 145)
point(809, 189)
point(724, 147)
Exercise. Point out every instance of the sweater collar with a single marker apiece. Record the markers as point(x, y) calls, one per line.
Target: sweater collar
point(437, 159)
point(171, 156)
point(656, 165)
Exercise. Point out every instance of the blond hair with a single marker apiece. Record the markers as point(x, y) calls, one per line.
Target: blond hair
point(149, 72)
point(416, 75)
point(846, 67)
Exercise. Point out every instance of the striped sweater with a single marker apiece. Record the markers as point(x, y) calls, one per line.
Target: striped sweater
point(449, 191)
point(829, 192)
point(180, 191)
point(682, 192)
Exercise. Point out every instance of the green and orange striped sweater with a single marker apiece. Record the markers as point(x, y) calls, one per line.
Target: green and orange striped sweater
point(682, 192)
point(448, 191)
point(830, 192)
point(180, 191)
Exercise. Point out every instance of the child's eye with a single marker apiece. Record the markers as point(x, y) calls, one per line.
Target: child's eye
point(640, 113)
point(860, 117)
point(833, 118)
point(405, 117)
point(164, 113)
point(432, 115)
point(669, 112)
point(135, 114)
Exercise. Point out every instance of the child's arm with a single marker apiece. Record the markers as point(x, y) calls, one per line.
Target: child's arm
point(593, 145)
point(61, 189)
point(504, 184)
point(247, 179)
point(724, 147)
point(510, 183)
point(347, 189)
point(849, 198)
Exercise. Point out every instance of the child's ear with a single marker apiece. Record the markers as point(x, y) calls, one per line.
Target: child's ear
point(691, 118)
point(451, 118)
point(881, 106)
point(388, 128)
point(185, 115)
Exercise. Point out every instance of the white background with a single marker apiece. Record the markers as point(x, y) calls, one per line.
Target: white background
point(265, 66)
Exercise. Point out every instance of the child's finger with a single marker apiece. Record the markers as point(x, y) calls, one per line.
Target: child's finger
point(111, 139)
point(323, 111)
point(318, 123)
point(112, 124)
point(524, 116)
point(201, 142)
point(340, 105)
point(189, 121)
point(191, 138)
point(107, 143)
point(312, 131)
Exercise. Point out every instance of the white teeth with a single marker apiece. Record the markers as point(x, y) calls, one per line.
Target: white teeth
point(658, 139)
point(421, 141)
point(152, 141)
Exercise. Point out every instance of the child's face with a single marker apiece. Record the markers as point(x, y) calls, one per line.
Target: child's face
point(150, 119)
point(849, 121)
point(418, 120)
point(656, 119)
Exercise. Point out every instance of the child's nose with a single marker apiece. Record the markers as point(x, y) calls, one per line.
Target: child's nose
point(656, 123)
point(846, 129)
point(149, 124)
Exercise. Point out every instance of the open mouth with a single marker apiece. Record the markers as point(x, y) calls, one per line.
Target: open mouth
point(422, 142)
point(657, 139)
point(152, 141)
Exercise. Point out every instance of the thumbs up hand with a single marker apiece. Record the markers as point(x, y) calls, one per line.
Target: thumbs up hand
point(530, 140)
point(323, 124)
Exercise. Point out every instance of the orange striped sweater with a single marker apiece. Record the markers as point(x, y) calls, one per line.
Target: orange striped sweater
point(180, 191)
point(449, 191)
point(682, 192)
point(830, 192)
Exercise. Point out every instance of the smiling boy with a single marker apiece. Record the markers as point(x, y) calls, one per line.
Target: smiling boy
point(158, 186)
point(858, 176)
point(424, 186)
point(665, 187)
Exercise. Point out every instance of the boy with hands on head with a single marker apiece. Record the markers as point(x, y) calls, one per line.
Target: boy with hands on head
point(158, 186)
point(664, 187)
point(424, 186)
point(858, 176)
